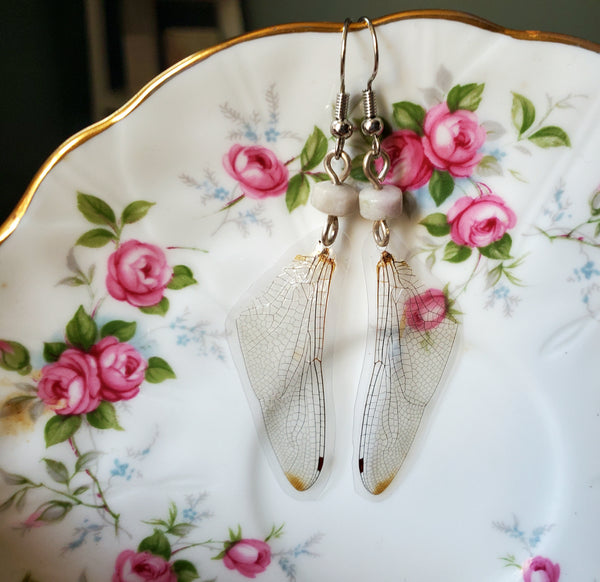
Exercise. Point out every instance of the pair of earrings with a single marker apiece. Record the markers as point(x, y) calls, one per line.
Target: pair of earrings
point(279, 333)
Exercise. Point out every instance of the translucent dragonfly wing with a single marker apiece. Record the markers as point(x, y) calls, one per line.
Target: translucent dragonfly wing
point(280, 335)
point(413, 342)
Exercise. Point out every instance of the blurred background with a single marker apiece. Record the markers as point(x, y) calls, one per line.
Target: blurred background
point(68, 63)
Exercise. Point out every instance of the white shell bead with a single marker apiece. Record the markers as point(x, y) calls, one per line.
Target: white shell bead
point(334, 199)
point(380, 204)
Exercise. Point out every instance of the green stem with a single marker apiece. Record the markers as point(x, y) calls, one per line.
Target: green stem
point(471, 277)
point(206, 543)
point(568, 236)
point(93, 477)
point(69, 496)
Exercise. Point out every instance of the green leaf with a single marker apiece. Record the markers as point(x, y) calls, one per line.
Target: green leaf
point(181, 529)
point(222, 553)
point(550, 137)
point(85, 461)
point(182, 277)
point(158, 371)
point(235, 536)
point(276, 532)
point(55, 511)
point(53, 350)
point(59, 428)
point(8, 503)
point(454, 253)
point(122, 330)
point(409, 115)
point(160, 308)
point(82, 330)
point(57, 471)
point(595, 203)
point(441, 186)
point(319, 176)
point(136, 211)
point(489, 166)
point(14, 357)
point(95, 210)
point(499, 250)
point(16, 405)
point(72, 282)
point(436, 224)
point(185, 571)
point(465, 97)
point(172, 512)
point(13, 478)
point(523, 113)
point(156, 544)
point(96, 238)
point(297, 192)
point(357, 172)
point(104, 417)
point(314, 150)
point(80, 490)
point(494, 276)
point(597, 231)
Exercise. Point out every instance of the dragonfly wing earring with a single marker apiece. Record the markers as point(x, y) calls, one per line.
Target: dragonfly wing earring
point(413, 332)
point(280, 332)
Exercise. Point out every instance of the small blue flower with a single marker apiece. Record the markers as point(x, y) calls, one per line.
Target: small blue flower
point(220, 193)
point(250, 134)
point(588, 270)
point(248, 216)
point(272, 134)
point(190, 514)
point(120, 470)
point(183, 340)
point(501, 292)
point(498, 154)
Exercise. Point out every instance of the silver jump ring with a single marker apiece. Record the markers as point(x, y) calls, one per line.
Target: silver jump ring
point(345, 170)
point(376, 179)
point(330, 231)
point(381, 233)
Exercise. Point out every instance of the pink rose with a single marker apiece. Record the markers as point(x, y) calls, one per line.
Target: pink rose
point(71, 385)
point(452, 139)
point(258, 171)
point(409, 168)
point(426, 310)
point(248, 557)
point(138, 273)
point(142, 567)
point(540, 569)
point(121, 369)
point(478, 222)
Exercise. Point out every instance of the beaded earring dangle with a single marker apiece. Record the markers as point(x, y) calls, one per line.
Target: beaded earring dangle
point(278, 335)
point(411, 336)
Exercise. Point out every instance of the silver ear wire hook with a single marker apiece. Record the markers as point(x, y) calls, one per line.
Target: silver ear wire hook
point(343, 55)
point(341, 128)
point(375, 49)
point(372, 125)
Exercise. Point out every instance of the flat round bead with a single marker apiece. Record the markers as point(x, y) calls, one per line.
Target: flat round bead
point(380, 204)
point(334, 199)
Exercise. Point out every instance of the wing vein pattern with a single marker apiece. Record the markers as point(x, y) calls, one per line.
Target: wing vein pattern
point(281, 338)
point(407, 367)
